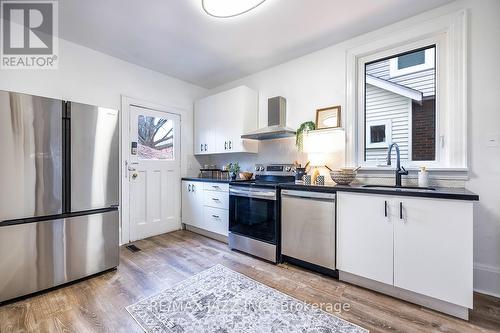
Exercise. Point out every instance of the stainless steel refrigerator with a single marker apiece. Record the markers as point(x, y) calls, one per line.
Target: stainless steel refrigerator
point(59, 174)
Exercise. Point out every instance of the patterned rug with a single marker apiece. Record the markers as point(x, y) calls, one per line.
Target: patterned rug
point(221, 300)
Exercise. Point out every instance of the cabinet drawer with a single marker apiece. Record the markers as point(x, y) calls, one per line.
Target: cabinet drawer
point(221, 187)
point(216, 220)
point(216, 199)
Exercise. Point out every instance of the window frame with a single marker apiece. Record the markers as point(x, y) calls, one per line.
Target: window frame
point(449, 33)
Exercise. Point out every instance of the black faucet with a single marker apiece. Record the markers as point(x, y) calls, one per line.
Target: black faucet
point(399, 169)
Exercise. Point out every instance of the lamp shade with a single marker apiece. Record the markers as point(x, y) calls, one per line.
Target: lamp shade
point(324, 141)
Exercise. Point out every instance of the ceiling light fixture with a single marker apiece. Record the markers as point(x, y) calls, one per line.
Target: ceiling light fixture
point(229, 8)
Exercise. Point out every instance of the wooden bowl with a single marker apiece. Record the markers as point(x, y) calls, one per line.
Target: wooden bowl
point(246, 175)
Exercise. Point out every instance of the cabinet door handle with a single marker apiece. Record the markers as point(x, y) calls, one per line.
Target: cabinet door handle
point(192, 187)
point(206, 147)
point(189, 188)
point(225, 145)
point(400, 210)
point(385, 208)
point(215, 186)
point(215, 216)
point(230, 145)
point(215, 199)
point(201, 147)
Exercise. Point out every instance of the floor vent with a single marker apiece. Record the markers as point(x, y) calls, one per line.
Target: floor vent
point(133, 248)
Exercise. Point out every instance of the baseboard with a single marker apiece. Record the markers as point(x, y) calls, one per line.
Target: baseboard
point(426, 301)
point(487, 280)
point(206, 233)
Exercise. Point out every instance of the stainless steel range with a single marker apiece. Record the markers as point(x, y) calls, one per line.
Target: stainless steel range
point(254, 211)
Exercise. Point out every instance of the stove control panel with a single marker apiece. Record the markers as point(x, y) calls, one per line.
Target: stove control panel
point(275, 169)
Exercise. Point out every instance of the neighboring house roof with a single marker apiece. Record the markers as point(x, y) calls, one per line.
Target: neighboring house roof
point(395, 88)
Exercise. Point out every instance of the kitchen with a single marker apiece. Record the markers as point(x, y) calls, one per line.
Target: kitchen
point(422, 244)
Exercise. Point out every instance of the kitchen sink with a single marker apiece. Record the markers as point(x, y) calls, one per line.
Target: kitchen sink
point(401, 187)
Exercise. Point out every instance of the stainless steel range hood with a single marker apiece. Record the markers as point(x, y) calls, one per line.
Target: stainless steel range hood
point(276, 122)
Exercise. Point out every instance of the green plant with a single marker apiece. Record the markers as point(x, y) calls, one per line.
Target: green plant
point(234, 167)
point(299, 138)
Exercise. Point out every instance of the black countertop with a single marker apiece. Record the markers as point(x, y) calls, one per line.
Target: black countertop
point(440, 192)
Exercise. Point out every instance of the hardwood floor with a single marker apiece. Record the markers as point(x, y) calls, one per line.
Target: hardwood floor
point(98, 304)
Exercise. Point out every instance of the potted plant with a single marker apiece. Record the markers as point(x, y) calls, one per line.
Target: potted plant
point(233, 169)
point(304, 127)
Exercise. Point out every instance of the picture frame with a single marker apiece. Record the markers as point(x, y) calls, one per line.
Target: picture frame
point(328, 117)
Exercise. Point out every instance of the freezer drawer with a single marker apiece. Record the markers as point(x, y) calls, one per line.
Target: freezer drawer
point(31, 164)
point(94, 157)
point(40, 255)
point(308, 227)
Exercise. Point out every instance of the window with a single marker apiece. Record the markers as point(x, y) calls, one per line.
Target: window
point(434, 133)
point(412, 62)
point(156, 138)
point(411, 59)
point(401, 109)
point(378, 134)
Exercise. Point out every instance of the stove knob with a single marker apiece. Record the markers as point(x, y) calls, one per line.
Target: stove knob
point(288, 168)
point(261, 168)
point(257, 168)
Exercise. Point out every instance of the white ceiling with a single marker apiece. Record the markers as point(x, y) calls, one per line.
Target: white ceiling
point(177, 38)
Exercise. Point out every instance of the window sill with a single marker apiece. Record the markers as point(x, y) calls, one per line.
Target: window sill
point(434, 172)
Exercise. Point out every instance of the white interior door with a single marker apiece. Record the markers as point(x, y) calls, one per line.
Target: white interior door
point(153, 172)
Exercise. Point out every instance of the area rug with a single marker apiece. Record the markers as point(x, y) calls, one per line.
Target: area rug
point(221, 300)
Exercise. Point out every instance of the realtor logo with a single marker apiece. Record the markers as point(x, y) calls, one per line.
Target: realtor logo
point(28, 34)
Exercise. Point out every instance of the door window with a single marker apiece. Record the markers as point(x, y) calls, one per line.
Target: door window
point(156, 138)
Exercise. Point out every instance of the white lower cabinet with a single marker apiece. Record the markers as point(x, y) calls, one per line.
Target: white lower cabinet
point(433, 248)
point(423, 245)
point(365, 236)
point(216, 220)
point(192, 202)
point(206, 206)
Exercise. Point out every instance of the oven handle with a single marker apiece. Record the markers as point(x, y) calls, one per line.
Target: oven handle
point(252, 194)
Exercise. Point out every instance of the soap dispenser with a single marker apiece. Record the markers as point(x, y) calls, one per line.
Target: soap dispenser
point(423, 177)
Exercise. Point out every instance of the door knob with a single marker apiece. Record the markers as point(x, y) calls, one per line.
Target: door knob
point(134, 175)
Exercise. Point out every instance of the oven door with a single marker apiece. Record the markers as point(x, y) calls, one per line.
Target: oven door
point(253, 213)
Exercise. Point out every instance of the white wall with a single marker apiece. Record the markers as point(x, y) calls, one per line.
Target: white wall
point(91, 77)
point(318, 80)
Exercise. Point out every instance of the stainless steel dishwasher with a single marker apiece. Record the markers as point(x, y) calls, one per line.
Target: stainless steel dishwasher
point(308, 229)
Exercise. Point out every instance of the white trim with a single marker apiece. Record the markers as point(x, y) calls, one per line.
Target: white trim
point(487, 279)
point(449, 33)
point(407, 295)
point(395, 88)
point(126, 102)
point(429, 63)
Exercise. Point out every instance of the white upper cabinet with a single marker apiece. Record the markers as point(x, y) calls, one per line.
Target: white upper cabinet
point(204, 131)
point(221, 119)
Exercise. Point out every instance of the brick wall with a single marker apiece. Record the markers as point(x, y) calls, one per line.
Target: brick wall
point(424, 130)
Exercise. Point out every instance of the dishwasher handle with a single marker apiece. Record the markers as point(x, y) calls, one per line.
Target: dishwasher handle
point(308, 195)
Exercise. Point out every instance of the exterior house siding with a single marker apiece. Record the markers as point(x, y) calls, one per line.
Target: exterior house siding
point(423, 81)
point(385, 105)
